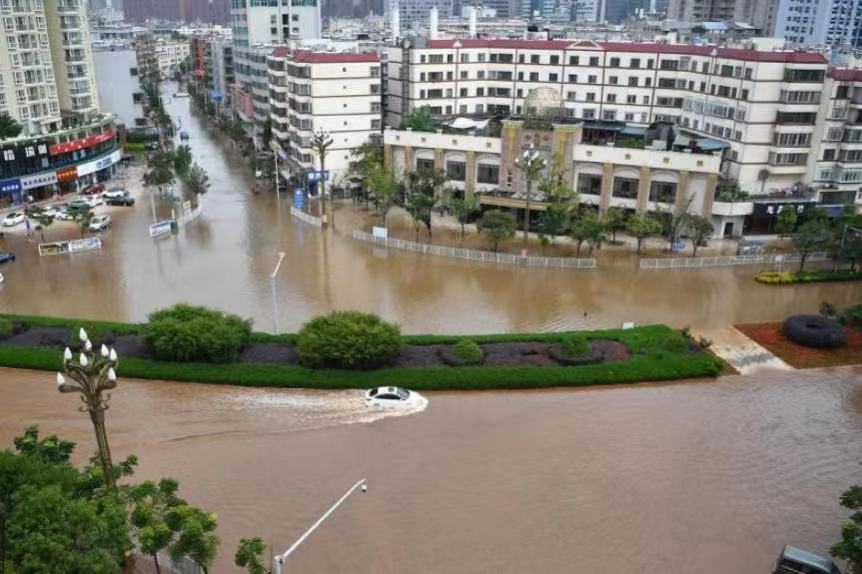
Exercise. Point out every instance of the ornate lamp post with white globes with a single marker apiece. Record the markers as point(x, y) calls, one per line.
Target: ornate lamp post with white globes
point(90, 376)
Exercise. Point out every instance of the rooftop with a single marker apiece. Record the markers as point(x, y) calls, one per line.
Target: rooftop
point(310, 57)
point(635, 47)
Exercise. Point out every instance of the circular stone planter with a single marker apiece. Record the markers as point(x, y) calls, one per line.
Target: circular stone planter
point(448, 357)
point(555, 352)
point(814, 331)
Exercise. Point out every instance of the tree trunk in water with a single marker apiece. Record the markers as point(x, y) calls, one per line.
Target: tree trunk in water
point(640, 242)
point(527, 211)
point(156, 560)
point(578, 253)
point(694, 250)
point(802, 257)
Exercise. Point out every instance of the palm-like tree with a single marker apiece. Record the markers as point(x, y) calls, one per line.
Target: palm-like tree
point(197, 180)
point(532, 165)
point(321, 144)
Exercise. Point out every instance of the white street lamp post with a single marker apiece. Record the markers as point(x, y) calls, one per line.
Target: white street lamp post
point(281, 255)
point(278, 561)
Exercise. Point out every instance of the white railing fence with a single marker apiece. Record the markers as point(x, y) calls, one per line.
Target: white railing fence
point(728, 260)
point(191, 215)
point(476, 255)
point(307, 218)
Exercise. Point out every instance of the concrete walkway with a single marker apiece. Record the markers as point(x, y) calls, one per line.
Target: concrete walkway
point(744, 354)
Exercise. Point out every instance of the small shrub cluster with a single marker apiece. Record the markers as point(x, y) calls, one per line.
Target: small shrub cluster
point(189, 333)
point(676, 343)
point(348, 340)
point(791, 277)
point(468, 351)
point(574, 347)
point(5, 327)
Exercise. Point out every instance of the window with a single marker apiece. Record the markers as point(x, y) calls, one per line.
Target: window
point(465, 58)
point(375, 124)
point(463, 92)
point(589, 114)
point(649, 63)
point(792, 140)
point(615, 63)
point(591, 96)
point(647, 81)
point(488, 174)
point(133, 71)
point(591, 79)
point(631, 99)
point(594, 61)
point(662, 191)
point(611, 98)
point(625, 187)
point(464, 74)
point(574, 60)
point(633, 81)
point(534, 76)
point(555, 60)
point(424, 164)
point(635, 63)
point(480, 75)
point(829, 154)
point(553, 78)
point(834, 134)
point(456, 170)
point(375, 107)
point(613, 80)
point(573, 78)
point(646, 100)
point(589, 184)
point(609, 115)
point(534, 59)
point(630, 117)
point(480, 91)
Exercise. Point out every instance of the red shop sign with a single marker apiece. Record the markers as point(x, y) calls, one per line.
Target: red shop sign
point(75, 145)
point(67, 174)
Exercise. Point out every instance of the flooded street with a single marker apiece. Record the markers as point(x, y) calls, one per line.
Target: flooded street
point(224, 260)
point(696, 477)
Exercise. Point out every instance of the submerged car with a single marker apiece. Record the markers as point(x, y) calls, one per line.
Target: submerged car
point(798, 561)
point(13, 219)
point(387, 397)
point(100, 222)
point(6, 257)
point(124, 200)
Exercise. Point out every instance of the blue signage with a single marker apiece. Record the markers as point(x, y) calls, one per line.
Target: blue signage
point(11, 187)
point(678, 246)
point(315, 176)
point(298, 197)
point(216, 95)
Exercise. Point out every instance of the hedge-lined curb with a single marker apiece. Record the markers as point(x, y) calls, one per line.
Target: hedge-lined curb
point(648, 362)
point(794, 277)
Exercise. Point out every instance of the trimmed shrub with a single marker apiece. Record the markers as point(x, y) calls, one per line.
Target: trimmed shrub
point(814, 331)
point(814, 276)
point(676, 343)
point(189, 333)
point(348, 340)
point(468, 351)
point(574, 346)
point(6, 327)
point(853, 316)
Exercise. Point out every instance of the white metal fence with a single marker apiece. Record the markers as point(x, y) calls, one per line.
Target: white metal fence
point(728, 260)
point(475, 255)
point(302, 216)
point(191, 215)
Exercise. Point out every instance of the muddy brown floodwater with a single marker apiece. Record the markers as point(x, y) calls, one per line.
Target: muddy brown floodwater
point(710, 477)
point(225, 258)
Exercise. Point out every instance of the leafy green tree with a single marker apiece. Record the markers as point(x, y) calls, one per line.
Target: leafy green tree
point(420, 120)
point(849, 548)
point(42, 222)
point(195, 535)
point(641, 226)
point(785, 222)
point(150, 504)
point(813, 235)
point(419, 206)
point(498, 226)
point(364, 160)
point(81, 217)
point(9, 128)
point(851, 252)
point(462, 208)
point(249, 555)
point(554, 221)
point(383, 185)
point(615, 220)
point(197, 180)
point(236, 132)
point(701, 229)
point(182, 160)
point(51, 450)
point(160, 177)
point(587, 229)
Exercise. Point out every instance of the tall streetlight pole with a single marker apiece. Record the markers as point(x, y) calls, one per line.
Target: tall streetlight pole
point(531, 165)
point(278, 561)
point(92, 375)
point(281, 255)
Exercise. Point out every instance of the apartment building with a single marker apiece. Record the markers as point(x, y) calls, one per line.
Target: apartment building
point(337, 93)
point(761, 107)
point(170, 55)
point(818, 22)
point(48, 86)
point(119, 86)
point(257, 26)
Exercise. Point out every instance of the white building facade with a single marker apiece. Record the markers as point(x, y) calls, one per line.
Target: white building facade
point(335, 93)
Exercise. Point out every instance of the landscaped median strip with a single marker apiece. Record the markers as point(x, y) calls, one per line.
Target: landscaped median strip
point(816, 276)
point(648, 362)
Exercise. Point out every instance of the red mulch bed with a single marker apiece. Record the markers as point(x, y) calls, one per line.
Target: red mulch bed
point(769, 335)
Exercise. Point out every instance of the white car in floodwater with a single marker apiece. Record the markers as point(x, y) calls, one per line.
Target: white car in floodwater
point(393, 397)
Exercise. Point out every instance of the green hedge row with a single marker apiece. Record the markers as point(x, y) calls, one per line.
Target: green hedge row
point(651, 360)
point(819, 276)
point(656, 367)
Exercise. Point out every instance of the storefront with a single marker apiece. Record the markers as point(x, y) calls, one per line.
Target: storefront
point(10, 192)
point(98, 170)
point(39, 186)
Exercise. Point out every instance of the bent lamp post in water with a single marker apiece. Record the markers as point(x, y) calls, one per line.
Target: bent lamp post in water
point(278, 561)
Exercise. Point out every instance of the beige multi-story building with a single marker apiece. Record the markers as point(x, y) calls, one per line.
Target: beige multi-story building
point(338, 93)
point(760, 106)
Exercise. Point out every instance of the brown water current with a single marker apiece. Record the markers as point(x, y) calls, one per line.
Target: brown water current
point(224, 259)
point(710, 477)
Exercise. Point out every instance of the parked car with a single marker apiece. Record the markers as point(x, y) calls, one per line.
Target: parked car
point(388, 397)
point(794, 560)
point(100, 222)
point(93, 200)
point(49, 211)
point(115, 192)
point(13, 219)
point(184, 135)
point(123, 200)
point(7, 257)
point(78, 205)
point(93, 189)
point(64, 214)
